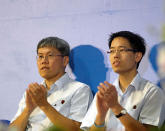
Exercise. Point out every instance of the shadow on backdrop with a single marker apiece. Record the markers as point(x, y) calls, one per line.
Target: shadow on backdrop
point(87, 63)
point(156, 57)
point(4, 121)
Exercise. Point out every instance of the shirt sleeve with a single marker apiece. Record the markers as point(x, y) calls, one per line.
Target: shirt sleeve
point(90, 117)
point(80, 103)
point(20, 107)
point(152, 112)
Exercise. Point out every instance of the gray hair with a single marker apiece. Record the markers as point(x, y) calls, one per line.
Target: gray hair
point(61, 45)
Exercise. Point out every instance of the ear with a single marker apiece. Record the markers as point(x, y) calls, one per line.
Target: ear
point(65, 60)
point(138, 56)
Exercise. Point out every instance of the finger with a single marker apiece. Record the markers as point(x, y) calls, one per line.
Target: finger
point(31, 97)
point(33, 88)
point(43, 88)
point(101, 90)
point(104, 86)
point(37, 87)
point(27, 95)
point(99, 95)
point(31, 93)
point(111, 87)
point(104, 90)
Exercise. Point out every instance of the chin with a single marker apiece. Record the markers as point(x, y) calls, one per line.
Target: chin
point(45, 76)
point(118, 71)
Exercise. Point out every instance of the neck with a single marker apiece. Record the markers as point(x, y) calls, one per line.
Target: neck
point(51, 81)
point(125, 79)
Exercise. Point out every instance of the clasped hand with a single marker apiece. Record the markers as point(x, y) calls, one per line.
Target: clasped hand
point(36, 95)
point(106, 97)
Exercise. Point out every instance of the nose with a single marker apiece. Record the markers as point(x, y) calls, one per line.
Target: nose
point(45, 60)
point(116, 53)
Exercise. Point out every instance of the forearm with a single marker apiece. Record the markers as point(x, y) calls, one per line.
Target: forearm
point(59, 120)
point(129, 122)
point(21, 121)
point(93, 128)
point(99, 122)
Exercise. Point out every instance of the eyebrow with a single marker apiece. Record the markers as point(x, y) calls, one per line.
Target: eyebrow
point(119, 47)
point(45, 53)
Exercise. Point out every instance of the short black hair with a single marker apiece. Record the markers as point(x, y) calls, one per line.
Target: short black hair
point(61, 45)
point(136, 41)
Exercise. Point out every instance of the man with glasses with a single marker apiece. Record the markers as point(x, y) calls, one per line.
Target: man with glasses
point(59, 100)
point(131, 103)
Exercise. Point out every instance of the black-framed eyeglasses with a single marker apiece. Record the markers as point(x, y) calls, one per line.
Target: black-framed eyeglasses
point(121, 50)
point(41, 57)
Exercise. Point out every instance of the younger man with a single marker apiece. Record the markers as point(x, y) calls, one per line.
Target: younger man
point(131, 103)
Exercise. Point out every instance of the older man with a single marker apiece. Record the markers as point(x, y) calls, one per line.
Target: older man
point(59, 100)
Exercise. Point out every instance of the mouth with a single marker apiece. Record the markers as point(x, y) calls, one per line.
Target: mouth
point(45, 68)
point(116, 63)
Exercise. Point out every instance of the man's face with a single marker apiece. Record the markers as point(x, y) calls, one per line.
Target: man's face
point(122, 61)
point(161, 62)
point(51, 64)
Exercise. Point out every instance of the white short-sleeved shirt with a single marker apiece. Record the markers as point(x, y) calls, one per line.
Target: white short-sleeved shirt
point(69, 97)
point(143, 101)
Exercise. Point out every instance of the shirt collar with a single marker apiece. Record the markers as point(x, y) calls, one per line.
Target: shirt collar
point(135, 83)
point(62, 80)
point(116, 84)
point(59, 83)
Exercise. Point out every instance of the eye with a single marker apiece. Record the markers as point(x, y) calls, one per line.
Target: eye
point(51, 55)
point(112, 51)
point(121, 50)
point(40, 56)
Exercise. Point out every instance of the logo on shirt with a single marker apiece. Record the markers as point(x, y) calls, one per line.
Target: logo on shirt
point(134, 107)
point(62, 102)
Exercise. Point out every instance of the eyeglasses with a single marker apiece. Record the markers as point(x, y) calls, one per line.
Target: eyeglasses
point(41, 57)
point(121, 50)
